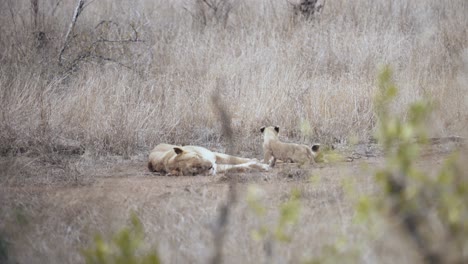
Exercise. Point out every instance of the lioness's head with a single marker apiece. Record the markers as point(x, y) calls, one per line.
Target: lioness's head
point(270, 132)
point(190, 163)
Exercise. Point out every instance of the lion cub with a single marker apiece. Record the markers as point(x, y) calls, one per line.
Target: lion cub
point(274, 149)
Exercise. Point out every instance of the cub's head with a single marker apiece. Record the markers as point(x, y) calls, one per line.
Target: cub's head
point(190, 163)
point(270, 132)
point(315, 150)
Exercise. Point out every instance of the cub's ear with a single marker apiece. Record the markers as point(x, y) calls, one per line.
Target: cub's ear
point(277, 129)
point(178, 150)
point(262, 129)
point(315, 148)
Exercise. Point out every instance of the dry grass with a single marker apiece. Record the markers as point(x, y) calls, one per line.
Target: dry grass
point(273, 70)
point(137, 73)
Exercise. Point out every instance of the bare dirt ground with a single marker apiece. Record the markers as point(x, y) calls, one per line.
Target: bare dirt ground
point(52, 223)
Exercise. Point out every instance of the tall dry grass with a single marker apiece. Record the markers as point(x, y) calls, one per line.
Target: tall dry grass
point(114, 95)
point(137, 73)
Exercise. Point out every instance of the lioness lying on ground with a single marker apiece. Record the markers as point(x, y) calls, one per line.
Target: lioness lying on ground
point(274, 149)
point(194, 160)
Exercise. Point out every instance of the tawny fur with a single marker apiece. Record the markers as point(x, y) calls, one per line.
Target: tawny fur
point(195, 160)
point(274, 149)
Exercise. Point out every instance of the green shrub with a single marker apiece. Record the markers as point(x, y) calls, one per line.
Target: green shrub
point(289, 213)
point(3, 249)
point(124, 248)
point(432, 210)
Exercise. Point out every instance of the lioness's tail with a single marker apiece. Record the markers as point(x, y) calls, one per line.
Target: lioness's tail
point(313, 151)
point(150, 166)
point(315, 148)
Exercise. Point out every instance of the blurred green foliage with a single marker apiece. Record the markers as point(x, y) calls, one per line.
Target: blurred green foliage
point(123, 248)
point(3, 249)
point(336, 253)
point(289, 213)
point(432, 210)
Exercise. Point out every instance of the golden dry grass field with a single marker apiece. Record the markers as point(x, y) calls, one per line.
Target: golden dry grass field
point(84, 98)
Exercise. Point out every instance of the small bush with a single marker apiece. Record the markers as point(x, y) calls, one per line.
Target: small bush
point(3, 249)
point(124, 247)
point(431, 210)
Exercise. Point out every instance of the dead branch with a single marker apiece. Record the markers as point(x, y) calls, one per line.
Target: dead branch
point(79, 7)
point(210, 5)
point(110, 60)
point(307, 8)
point(110, 22)
point(217, 11)
point(35, 10)
point(18, 47)
point(55, 7)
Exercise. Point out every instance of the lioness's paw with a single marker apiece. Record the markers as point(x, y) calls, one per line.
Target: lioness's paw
point(265, 167)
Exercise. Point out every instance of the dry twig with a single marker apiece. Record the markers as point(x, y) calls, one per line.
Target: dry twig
point(79, 7)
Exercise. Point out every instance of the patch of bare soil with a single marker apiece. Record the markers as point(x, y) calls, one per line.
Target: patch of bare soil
point(51, 223)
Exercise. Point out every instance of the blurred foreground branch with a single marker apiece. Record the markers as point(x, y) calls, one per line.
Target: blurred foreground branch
point(431, 210)
point(219, 230)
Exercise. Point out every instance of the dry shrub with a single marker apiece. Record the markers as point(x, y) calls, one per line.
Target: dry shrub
point(124, 97)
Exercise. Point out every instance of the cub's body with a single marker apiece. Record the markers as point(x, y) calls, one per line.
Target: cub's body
point(274, 149)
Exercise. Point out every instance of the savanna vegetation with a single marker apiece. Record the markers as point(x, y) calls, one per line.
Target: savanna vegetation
point(87, 88)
